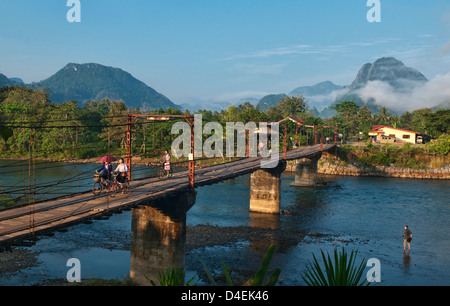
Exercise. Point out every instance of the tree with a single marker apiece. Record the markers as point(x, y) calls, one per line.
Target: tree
point(274, 114)
point(421, 120)
point(406, 121)
point(22, 109)
point(115, 132)
point(440, 122)
point(383, 116)
point(65, 115)
point(292, 106)
point(364, 119)
point(346, 116)
point(346, 108)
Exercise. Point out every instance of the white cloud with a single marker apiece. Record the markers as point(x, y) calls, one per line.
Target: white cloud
point(304, 49)
point(258, 68)
point(430, 94)
point(298, 49)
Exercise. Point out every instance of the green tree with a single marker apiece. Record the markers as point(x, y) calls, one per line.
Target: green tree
point(116, 120)
point(364, 119)
point(346, 116)
point(383, 116)
point(274, 114)
point(292, 106)
point(440, 122)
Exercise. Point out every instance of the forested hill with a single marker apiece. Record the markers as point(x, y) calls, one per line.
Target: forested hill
point(94, 82)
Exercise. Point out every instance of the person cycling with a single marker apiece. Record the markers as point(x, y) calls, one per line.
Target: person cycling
point(165, 159)
point(105, 172)
point(122, 169)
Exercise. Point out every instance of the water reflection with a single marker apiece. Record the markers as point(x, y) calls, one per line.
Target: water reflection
point(261, 220)
point(406, 261)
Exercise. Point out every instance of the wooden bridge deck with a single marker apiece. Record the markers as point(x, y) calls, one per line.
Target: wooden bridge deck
point(16, 223)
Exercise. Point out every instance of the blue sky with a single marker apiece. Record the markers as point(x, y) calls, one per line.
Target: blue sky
point(223, 50)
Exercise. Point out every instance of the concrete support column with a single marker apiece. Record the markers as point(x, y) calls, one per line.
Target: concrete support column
point(265, 193)
point(158, 237)
point(306, 172)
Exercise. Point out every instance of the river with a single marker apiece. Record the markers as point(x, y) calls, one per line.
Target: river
point(366, 214)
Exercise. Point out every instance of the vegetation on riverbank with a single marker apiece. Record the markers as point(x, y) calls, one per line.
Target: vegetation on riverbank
point(431, 155)
point(392, 160)
point(33, 126)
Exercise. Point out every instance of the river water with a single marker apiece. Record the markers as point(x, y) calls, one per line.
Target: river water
point(364, 214)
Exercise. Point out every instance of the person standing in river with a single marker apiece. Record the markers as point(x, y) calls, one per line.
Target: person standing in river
point(407, 236)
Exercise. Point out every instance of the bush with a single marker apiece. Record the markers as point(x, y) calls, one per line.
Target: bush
point(379, 158)
point(339, 271)
point(441, 145)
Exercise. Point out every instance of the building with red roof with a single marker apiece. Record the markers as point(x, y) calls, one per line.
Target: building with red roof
point(387, 134)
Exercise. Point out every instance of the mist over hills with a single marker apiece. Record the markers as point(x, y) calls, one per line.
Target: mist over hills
point(385, 83)
point(386, 76)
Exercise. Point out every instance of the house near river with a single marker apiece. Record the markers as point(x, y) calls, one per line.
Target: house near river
point(387, 134)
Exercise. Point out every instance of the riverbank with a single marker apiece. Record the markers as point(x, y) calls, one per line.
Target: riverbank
point(331, 166)
point(341, 168)
point(383, 161)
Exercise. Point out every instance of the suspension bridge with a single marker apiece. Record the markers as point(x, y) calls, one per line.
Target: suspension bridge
point(45, 216)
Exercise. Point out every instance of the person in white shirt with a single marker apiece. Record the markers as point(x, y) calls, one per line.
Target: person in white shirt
point(122, 168)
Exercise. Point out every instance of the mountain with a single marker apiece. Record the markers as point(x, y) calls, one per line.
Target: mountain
point(319, 96)
point(17, 80)
point(5, 81)
point(381, 80)
point(320, 89)
point(270, 100)
point(195, 105)
point(251, 100)
point(389, 70)
point(87, 82)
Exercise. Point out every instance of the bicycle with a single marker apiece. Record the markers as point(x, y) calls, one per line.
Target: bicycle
point(165, 171)
point(118, 186)
point(99, 185)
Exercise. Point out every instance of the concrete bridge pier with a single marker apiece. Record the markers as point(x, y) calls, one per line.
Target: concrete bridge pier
point(158, 237)
point(306, 172)
point(265, 189)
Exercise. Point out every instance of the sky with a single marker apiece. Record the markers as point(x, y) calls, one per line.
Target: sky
point(224, 50)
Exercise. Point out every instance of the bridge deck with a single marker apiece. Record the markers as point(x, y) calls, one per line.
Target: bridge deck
point(57, 213)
